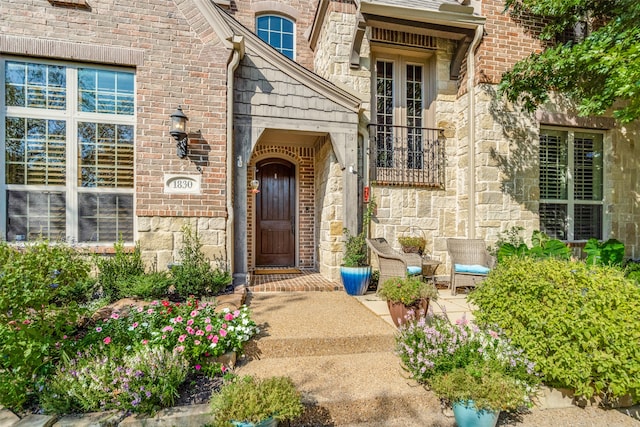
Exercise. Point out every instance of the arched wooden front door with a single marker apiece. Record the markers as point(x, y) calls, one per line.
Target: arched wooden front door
point(276, 213)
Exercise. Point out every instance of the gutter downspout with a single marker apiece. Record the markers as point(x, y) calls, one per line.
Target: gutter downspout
point(471, 71)
point(235, 57)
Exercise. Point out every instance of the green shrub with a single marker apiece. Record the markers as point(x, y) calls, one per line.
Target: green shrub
point(513, 236)
point(412, 244)
point(355, 249)
point(407, 290)
point(610, 252)
point(100, 380)
point(120, 267)
point(355, 245)
point(632, 270)
point(541, 247)
point(489, 390)
point(147, 286)
point(251, 400)
point(578, 323)
point(194, 275)
point(37, 314)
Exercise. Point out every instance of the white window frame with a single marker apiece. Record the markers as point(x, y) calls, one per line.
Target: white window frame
point(400, 62)
point(571, 201)
point(284, 18)
point(403, 170)
point(71, 116)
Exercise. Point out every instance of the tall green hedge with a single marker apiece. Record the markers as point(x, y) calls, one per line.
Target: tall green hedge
point(40, 285)
point(579, 323)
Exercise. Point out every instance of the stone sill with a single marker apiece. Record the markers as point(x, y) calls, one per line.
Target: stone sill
point(558, 398)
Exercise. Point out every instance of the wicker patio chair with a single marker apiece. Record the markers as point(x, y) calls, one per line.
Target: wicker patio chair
point(393, 263)
point(470, 262)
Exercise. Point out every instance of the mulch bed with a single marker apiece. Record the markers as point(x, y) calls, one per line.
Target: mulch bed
point(197, 389)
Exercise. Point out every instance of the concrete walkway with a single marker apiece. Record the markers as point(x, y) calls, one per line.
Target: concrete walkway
point(340, 354)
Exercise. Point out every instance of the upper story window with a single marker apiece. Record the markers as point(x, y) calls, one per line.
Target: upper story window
point(404, 150)
point(279, 32)
point(67, 149)
point(571, 184)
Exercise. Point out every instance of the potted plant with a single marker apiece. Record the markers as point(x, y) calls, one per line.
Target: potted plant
point(478, 394)
point(412, 244)
point(248, 402)
point(407, 297)
point(355, 270)
point(477, 371)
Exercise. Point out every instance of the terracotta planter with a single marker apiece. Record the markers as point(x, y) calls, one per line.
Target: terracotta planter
point(399, 311)
point(227, 359)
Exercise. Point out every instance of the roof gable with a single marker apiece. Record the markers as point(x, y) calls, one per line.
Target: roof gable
point(228, 29)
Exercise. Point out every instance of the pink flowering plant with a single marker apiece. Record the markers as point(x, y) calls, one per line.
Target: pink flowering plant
point(456, 359)
point(193, 329)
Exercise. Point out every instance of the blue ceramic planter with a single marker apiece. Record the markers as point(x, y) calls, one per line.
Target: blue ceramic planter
point(269, 422)
point(355, 279)
point(467, 415)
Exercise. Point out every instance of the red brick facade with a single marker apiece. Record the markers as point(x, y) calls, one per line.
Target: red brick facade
point(300, 11)
point(506, 40)
point(184, 64)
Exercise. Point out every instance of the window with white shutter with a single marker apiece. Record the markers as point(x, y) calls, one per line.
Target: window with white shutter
point(571, 184)
point(68, 151)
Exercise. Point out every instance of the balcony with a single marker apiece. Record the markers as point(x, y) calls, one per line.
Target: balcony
point(407, 156)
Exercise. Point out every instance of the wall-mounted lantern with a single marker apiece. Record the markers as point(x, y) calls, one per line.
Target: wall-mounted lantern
point(254, 186)
point(179, 131)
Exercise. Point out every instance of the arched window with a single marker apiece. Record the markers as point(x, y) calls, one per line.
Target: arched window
point(278, 31)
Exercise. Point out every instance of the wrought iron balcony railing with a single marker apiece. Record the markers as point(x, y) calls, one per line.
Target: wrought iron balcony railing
point(402, 155)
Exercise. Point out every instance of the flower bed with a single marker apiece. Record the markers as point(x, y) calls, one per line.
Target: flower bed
point(137, 361)
point(52, 358)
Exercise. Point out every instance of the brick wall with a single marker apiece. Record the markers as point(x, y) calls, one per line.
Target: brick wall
point(507, 39)
point(183, 65)
point(300, 11)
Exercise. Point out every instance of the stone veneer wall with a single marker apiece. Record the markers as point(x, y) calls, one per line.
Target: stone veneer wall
point(161, 239)
point(402, 210)
point(328, 189)
point(331, 59)
point(506, 172)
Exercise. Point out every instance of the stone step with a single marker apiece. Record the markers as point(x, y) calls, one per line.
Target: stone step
point(7, 418)
point(353, 388)
point(35, 420)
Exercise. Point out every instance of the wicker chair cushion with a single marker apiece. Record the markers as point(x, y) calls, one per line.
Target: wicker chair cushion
point(412, 270)
point(472, 269)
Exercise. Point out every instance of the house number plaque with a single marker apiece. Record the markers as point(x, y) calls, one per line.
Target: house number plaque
point(182, 184)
